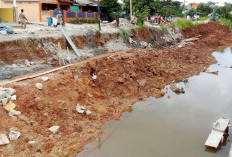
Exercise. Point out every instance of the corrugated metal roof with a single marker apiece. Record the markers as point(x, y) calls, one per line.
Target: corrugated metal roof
point(86, 2)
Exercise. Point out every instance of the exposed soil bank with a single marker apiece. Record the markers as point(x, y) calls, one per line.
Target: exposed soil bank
point(122, 79)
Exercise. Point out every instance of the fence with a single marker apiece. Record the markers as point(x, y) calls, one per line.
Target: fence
point(68, 16)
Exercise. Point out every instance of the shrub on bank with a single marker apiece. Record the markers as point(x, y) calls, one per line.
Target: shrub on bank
point(184, 24)
point(203, 18)
point(79, 21)
point(226, 22)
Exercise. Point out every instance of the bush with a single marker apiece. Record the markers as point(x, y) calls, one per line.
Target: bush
point(203, 18)
point(226, 22)
point(124, 33)
point(77, 21)
point(184, 24)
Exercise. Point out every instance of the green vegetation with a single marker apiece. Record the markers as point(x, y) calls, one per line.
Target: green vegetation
point(192, 12)
point(182, 24)
point(79, 21)
point(112, 7)
point(124, 33)
point(203, 18)
point(226, 22)
point(205, 8)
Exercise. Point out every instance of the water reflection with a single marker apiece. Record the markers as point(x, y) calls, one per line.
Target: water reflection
point(175, 125)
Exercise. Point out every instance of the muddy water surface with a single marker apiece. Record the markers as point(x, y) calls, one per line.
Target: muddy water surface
point(175, 125)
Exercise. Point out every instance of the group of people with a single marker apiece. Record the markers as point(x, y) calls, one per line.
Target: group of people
point(23, 20)
point(159, 19)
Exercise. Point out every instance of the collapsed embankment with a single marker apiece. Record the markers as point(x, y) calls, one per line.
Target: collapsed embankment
point(121, 79)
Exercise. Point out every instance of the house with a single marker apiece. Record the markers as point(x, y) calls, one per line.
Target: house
point(35, 10)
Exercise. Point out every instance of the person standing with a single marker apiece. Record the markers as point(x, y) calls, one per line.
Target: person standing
point(22, 19)
point(117, 19)
point(159, 20)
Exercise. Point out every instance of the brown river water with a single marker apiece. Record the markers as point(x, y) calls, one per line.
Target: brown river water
point(173, 127)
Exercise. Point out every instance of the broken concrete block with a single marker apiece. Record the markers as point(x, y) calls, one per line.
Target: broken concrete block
point(31, 142)
point(39, 86)
point(14, 113)
point(2, 94)
point(14, 134)
point(54, 129)
point(27, 63)
point(13, 97)
point(10, 106)
point(44, 78)
point(177, 90)
point(80, 109)
point(3, 139)
point(4, 101)
point(75, 77)
point(94, 77)
point(88, 112)
point(10, 91)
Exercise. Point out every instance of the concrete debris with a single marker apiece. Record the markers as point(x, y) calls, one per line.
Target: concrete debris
point(31, 142)
point(88, 112)
point(54, 129)
point(3, 139)
point(2, 94)
point(94, 77)
point(13, 97)
point(14, 113)
point(141, 82)
point(4, 101)
point(10, 91)
point(10, 106)
point(75, 77)
point(82, 109)
point(44, 78)
point(143, 44)
point(28, 63)
point(177, 90)
point(39, 86)
point(14, 134)
point(183, 43)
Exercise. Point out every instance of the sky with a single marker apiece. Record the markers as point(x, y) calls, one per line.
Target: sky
point(220, 2)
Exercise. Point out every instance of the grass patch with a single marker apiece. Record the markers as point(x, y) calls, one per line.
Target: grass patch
point(203, 18)
point(124, 33)
point(226, 22)
point(182, 24)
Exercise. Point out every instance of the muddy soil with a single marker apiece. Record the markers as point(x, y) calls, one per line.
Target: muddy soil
point(122, 79)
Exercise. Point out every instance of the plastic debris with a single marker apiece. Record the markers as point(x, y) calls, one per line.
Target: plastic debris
point(14, 135)
point(3, 139)
point(14, 113)
point(80, 109)
point(88, 112)
point(39, 86)
point(44, 78)
point(54, 129)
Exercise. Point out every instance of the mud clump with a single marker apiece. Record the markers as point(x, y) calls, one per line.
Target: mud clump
point(122, 78)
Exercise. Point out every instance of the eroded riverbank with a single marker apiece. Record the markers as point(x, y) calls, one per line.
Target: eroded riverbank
point(122, 79)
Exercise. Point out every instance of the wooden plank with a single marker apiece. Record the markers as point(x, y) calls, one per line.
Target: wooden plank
point(214, 139)
point(78, 53)
point(35, 75)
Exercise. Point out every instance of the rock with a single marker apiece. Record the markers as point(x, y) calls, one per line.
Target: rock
point(54, 129)
point(14, 65)
point(10, 106)
point(2, 94)
point(14, 135)
point(14, 113)
point(88, 112)
point(4, 101)
point(75, 77)
point(80, 109)
point(31, 142)
point(144, 44)
point(13, 97)
point(175, 89)
point(39, 86)
point(10, 91)
point(44, 78)
point(27, 63)
point(94, 77)
point(142, 82)
point(3, 139)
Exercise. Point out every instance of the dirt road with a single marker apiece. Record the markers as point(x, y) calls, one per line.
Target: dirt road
point(107, 85)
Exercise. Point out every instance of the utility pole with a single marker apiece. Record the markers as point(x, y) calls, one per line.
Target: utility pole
point(130, 10)
point(14, 10)
point(98, 14)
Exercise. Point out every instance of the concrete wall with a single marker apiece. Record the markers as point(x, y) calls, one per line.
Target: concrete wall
point(31, 9)
point(6, 14)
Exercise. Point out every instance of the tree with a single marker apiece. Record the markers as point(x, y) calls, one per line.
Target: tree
point(205, 9)
point(112, 7)
point(192, 12)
